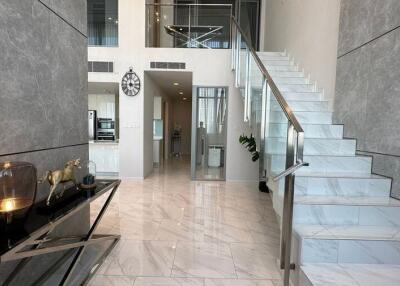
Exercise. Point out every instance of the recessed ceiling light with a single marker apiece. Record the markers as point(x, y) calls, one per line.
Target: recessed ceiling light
point(184, 98)
point(181, 92)
point(176, 83)
point(109, 18)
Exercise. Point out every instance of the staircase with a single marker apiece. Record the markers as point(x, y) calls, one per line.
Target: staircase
point(346, 228)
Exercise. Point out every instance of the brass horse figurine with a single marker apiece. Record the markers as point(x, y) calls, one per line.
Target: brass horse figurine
point(61, 176)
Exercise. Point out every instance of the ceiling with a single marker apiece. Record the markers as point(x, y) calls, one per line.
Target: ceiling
point(166, 80)
point(103, 88)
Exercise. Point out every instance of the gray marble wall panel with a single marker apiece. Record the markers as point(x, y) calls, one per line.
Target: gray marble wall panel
point(367, 99)
point(73, 11)
point(43, 99)
point(43, 79)
point(363, 20)
point(50, 160)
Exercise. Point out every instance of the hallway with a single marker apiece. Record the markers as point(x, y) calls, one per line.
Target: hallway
point(178, 232)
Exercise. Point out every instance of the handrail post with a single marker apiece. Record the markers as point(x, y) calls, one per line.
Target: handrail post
point(233, 46)
point(238, 48)
point(287, 217)
point(247, 104)
point(262, 173)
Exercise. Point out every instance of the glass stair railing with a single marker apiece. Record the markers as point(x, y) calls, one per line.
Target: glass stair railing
point(265, 105)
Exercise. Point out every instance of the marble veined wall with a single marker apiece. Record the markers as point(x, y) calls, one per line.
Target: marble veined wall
point(367, 96)
point(43, 98)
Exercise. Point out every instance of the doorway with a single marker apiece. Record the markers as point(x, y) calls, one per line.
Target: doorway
point(168, 115)
point(209, 133)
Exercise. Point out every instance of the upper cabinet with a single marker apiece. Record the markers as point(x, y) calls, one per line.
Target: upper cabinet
point(157, 107)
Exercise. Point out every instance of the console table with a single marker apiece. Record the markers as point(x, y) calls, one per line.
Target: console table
point(31, 236)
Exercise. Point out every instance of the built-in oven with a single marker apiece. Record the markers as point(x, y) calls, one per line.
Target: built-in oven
point(105, 129)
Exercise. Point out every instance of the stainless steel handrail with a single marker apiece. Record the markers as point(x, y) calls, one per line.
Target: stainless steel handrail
point(281, 100)
point(289, 171)
point(294, 148)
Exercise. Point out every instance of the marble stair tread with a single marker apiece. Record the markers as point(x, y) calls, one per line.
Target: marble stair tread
point(329, 274)
point(351, 232)
point(302, 96)
point(342, 175)
point(344, 200)
point(291, 68)
point(303, 116)
point(284, 74)
point(325, 164)
point(314, 146)
point(274, 54)
point(296, 87)
point(288, 79)
point(277, 62)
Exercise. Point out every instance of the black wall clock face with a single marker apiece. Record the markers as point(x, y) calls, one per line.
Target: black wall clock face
point(130, 83)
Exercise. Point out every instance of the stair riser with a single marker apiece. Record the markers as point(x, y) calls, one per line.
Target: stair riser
point(276, 62)
point(314, 146)
point(290, 80)
point(296, 87)
point(284, 68)
point(346, 215)
point(273, 58)
point(310, 131)
point(351, 187)
point(281, 74)
point(303, 96)
point(303, 116)
point(320, 164)
point(321, 106)
point(350, 251)
point(271, 54)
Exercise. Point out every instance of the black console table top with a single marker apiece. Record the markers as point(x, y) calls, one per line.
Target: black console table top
point(40, 218)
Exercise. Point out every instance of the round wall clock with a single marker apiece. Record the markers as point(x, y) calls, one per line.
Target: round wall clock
point(130, 83)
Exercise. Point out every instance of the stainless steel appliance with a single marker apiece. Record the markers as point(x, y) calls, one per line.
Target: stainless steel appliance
point(92, 118)
point(105, 129)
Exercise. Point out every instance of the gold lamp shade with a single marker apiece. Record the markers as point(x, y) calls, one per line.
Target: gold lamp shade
point(18, 184)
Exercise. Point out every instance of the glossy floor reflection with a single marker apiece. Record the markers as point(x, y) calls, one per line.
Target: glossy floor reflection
point(179, 232)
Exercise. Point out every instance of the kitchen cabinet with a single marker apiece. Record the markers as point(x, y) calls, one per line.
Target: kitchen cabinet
point(157, 107)
point(104, 104)
point(106, 156)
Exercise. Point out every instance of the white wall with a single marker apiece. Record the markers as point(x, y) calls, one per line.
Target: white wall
point(209, 67)
point(308, 30)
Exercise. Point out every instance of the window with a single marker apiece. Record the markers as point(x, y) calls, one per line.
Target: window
point(103, 23)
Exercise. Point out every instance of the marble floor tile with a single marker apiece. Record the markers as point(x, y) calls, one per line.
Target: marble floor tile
point(167, 281)
point(139, 229)
point(255, 261)
point(237, 282)
point(105, 280)
point(180, 230)
point(141, 258)
point(215, 231)
point(212, 260)
point(177, 232)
